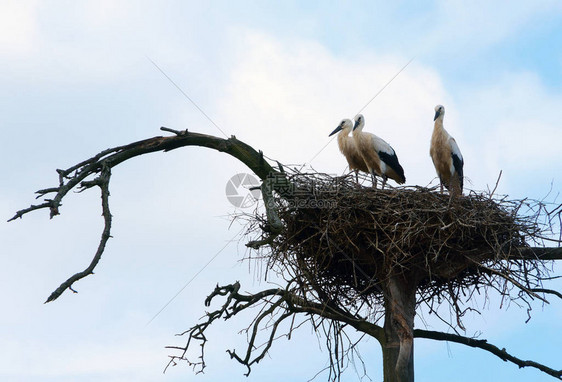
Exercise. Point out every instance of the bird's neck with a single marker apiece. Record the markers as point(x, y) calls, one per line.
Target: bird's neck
point(342, 136)
point(358, 131)
point(438, 123)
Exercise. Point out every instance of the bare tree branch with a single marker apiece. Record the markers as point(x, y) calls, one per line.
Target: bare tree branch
point(484, 345)
point(540, 253)
point(274, 223)
point(103, 162)
point(102, 182)
point(547, 291)
point(279, 305)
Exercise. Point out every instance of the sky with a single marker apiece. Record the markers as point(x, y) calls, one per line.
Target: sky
point(77, 78)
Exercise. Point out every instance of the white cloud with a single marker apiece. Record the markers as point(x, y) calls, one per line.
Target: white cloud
point(18, 28)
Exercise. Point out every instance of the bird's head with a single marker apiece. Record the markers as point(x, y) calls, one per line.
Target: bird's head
point(439, 111)
point(344, 125)
point(359, 122)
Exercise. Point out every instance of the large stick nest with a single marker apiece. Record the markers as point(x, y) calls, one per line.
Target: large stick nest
point(345, 240)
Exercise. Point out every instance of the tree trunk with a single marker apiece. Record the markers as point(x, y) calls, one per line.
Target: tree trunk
point(398, 347)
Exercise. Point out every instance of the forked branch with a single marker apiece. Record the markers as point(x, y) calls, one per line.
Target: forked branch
point(100, 165)
point(276, 306)
point(102, 181)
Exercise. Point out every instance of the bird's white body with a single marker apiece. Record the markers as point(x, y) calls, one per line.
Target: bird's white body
point(446, 155)
point(378, 155)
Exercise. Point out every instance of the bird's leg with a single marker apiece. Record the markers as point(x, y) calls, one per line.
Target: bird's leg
point(441, 187)
point(357, 177)
point(374, 179)
point(384, 179)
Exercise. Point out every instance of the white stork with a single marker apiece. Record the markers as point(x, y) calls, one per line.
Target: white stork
point(348, 148)
point(446, 156)
point(379, 156)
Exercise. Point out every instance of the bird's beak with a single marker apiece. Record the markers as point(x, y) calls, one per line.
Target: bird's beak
point(436, 115)
point(335, 131)
point(355, 125)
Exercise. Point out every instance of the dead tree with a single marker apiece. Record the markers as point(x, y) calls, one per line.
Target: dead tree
point(353, 257)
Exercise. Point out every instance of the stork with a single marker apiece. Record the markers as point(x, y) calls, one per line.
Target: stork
point(349, 149)
point(378, 155)
point(446, 156)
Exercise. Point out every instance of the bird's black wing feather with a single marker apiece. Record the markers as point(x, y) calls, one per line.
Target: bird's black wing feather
point(458, 163)
point(391, 161)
